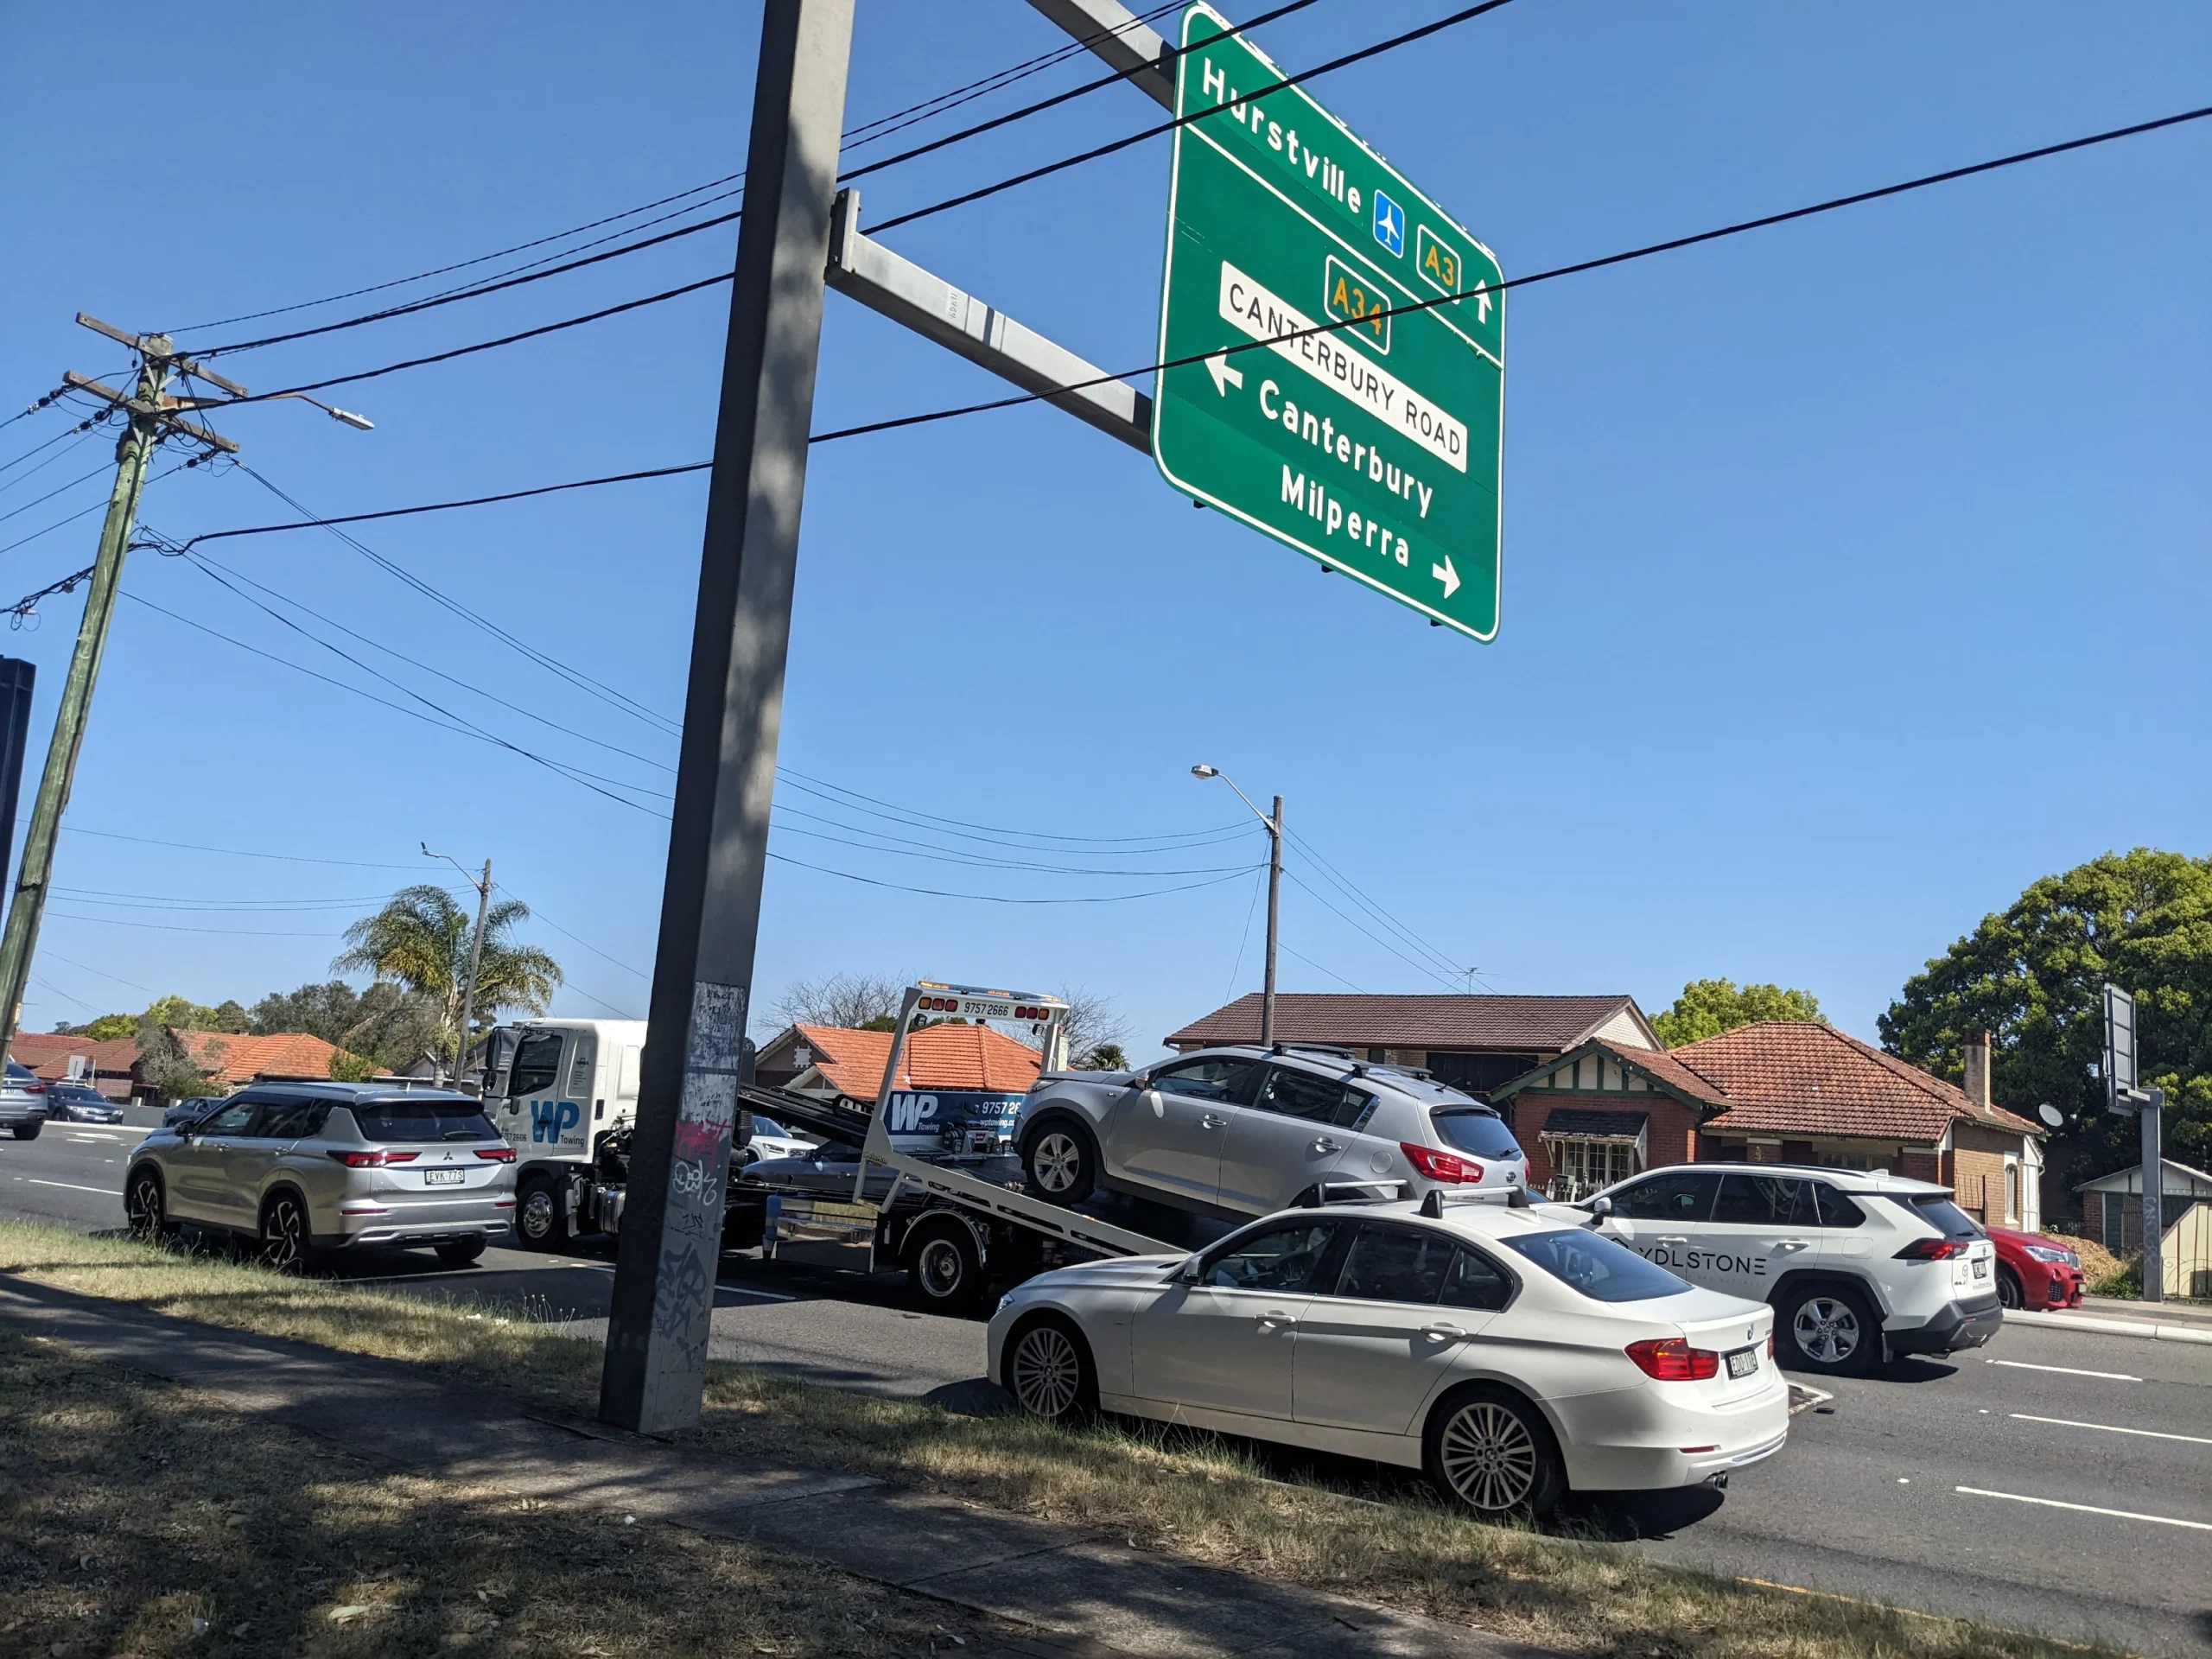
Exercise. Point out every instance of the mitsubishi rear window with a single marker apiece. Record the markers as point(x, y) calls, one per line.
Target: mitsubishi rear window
point(418, 1117)
point(1939, 1213)
point(1598, 1267)
point(1482, 1133)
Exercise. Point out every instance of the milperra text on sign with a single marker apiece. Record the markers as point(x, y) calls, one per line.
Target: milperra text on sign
point(1316, 406)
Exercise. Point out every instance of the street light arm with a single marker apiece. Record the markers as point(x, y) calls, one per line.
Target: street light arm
point(1246, 800)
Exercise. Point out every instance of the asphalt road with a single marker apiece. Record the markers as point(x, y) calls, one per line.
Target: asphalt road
point(2054, 1481)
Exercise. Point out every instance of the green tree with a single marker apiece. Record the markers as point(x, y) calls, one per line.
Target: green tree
point(420, 940)
point(180, 1014)
point(1708, 1007)
point(387, 1024)
point(1105, 1057)
point(2034, 978)
point(105, 1029)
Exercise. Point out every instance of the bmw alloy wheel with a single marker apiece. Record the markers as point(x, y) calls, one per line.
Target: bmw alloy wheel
point(1047, 1372)
point(1058, 1160)
point(1489, 1456)
point(1827, 1330)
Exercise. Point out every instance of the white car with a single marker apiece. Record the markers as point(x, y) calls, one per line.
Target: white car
point(1511, 1353)
point(1858, 1267)
point(1244, 1131)
point(771, 1139)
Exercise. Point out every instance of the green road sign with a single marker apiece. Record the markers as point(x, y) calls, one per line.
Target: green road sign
point(1374, 447)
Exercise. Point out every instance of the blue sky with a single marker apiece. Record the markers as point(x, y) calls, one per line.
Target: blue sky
point(1855, 571)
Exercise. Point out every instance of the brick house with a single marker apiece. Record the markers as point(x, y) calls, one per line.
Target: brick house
point(955, 1079)
point(1781, 1091)
point(1473, 1042)
point(109, 1066)
point(231, 1060)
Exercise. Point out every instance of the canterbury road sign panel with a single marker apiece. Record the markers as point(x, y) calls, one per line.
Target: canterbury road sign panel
point(1373, 448)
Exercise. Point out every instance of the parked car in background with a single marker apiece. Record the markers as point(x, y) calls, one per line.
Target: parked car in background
point(22, 1102)
point(2033, 1271)
point(1509, 1353)
point(301, 1168)
point(79, 1103)
point(1859, 1266)
point(191, 1108)
point(771, 1139)
point(1240, 1131)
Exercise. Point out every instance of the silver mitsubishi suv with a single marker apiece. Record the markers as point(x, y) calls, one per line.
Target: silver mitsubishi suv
point(301, 1168)
point(1240, 1131)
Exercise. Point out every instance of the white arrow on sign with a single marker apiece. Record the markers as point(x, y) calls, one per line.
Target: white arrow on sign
point(1481, 301)
point(1225, 373)
point(1445, 574)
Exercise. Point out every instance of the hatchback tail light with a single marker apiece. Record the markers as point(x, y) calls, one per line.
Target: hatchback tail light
point(1671, 1359)
point(1440, 1165)
point(496, 1155)
point(1932, 1249)
point(374, 1157)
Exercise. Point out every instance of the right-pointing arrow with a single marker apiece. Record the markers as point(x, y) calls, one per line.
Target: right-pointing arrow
point(1445, 574)
point(1225, 374)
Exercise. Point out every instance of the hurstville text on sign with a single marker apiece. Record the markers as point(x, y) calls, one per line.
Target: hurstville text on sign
point(1335, 341)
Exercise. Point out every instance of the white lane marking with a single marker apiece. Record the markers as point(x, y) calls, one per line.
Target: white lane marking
point(104, 1193)
point(2064, 1370)
point(2086, 1509)
point(2114, 1428)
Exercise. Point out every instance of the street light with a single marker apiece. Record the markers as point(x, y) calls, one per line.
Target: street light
point(1274, 891)
point(475, 955)
point(359, 422)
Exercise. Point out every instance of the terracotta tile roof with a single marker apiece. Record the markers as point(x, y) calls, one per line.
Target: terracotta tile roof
point(1801, 1077)
point(937, 1056)
point(240, 1059)
point(1536, 1025)
point(48, 1053)
point(1670, 1069)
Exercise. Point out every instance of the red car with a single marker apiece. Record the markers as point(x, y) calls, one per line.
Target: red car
point(2033, 1271)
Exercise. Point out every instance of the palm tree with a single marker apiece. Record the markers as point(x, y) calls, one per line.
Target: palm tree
point(421, 939)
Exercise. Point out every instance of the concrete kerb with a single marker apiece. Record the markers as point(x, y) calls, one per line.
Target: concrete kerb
point(2146, 1329)
point(1085, 1594)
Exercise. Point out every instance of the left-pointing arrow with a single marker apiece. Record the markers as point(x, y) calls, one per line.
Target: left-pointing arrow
point(1445, 574)
point(1225, 374)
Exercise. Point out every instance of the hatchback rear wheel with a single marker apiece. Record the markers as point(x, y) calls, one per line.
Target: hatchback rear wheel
point(1060, 1163)
point(1490, 1452)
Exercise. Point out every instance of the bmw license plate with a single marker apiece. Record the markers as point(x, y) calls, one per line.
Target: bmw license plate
point(441, 1177)
point(1743, 1361)
point(1981, 1268)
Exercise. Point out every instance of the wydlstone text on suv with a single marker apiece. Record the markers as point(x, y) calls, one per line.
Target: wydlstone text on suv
point(1858, 1267)
point(1242, 1131)
point(304, 1168)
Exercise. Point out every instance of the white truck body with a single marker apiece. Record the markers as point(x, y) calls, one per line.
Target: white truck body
point(555, 1087)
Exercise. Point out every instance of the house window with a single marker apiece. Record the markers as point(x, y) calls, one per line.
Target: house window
point(2012, 1194)
point(2108, 1203)
point(1584, 1166)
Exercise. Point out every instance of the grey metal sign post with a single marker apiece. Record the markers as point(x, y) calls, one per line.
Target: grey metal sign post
point(717, 851)
point(2124, 1096)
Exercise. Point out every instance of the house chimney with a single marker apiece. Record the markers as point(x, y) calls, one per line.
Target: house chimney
point(1977, 1078)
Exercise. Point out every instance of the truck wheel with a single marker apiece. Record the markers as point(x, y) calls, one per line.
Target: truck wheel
point(1060, 1162)
point(943, 1267)
point(1828, 1328)
point(541, 1219)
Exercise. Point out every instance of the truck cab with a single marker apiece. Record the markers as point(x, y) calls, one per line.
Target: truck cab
point(558, 1089)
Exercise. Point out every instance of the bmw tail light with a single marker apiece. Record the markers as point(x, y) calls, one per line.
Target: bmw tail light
point(1932, 1249)
point(1671, 1359)
point(496, 1155)
point(374, 1158)
point(1440, 1165)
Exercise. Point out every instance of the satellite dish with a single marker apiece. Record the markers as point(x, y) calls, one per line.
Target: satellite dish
point(2051, 1116)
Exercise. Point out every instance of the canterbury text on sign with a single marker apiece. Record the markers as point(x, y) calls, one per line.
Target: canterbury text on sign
point(1375, 447)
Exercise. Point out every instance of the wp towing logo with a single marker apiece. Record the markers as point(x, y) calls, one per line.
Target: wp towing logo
point(550, 1119)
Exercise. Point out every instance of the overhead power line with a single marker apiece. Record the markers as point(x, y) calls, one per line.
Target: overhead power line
point(868, 132)
point(1097, 150)
point(1672, 244)
point(1003, 899)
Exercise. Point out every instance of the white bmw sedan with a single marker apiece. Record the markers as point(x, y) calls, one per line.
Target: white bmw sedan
point(1510, 1353)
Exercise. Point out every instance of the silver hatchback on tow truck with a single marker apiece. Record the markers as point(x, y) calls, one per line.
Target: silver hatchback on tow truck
point(301, 1168)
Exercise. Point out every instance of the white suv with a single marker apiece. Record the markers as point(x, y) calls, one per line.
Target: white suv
point(1244, 1131)
point(1859, 1268)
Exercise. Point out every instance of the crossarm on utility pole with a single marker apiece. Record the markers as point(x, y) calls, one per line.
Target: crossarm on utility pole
point(900, 289)
point(137, 406)
point(1115, 35)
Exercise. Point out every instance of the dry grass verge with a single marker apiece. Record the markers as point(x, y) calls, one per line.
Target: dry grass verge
point(1188, 1495)
point(141, 1519)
